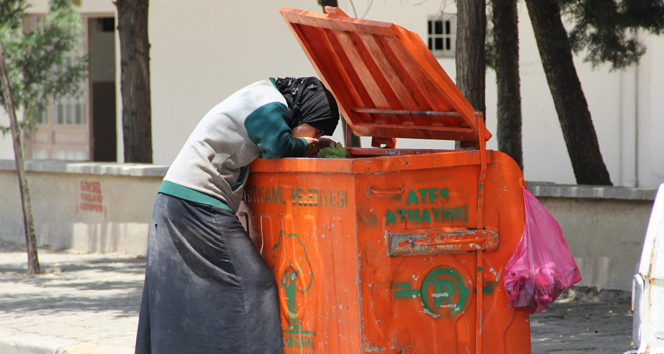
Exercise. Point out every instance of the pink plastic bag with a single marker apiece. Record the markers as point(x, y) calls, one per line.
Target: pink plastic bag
point(542, 266)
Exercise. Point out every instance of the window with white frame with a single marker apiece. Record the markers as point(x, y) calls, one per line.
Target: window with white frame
point(70, 109)
point(441, 35)
point(63, 127)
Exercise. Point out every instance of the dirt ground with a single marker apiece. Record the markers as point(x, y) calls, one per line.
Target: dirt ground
point(584, 321)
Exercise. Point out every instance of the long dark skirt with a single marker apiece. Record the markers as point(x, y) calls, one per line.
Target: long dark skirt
point(207, 289)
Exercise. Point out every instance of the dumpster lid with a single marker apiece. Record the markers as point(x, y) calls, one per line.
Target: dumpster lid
point(386, 81)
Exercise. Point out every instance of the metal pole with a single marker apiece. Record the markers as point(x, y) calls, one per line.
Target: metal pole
point(404, 112)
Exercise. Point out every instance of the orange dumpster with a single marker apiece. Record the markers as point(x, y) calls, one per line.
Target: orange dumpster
point(390, 250)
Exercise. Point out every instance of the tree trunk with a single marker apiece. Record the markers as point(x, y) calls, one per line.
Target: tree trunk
point(470, 66)
point(135, 80)
point(568, 96)
point(506, 35)
point(28, 224)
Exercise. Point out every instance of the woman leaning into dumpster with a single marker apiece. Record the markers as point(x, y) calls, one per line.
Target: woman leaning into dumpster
point(207, 289)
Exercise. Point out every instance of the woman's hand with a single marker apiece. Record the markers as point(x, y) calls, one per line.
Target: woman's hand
point(315, 146)
point(312, 147)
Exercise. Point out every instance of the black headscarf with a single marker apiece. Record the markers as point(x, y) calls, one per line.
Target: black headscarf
point(309, 102)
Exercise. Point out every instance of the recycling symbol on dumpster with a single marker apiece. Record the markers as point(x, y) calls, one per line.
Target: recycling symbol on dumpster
point(443, 292)
point(296, 279)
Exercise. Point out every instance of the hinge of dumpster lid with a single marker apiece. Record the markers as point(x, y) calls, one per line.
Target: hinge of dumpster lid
point(452, 240)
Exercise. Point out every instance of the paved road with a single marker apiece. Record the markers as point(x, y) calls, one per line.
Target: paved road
point(88, 303)
point(575, 328)
point(84, 303)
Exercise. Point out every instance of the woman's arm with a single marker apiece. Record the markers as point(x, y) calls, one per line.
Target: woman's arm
point(268, 129)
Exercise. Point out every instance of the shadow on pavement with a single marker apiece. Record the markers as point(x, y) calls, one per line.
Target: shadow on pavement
point(577, 327)
point(71, 283)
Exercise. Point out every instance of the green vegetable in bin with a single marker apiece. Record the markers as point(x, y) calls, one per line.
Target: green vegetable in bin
point(334, 151)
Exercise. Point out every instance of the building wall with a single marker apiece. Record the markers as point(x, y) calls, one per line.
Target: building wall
point(91, 207)
point(604, 228)
point(102, 207)
point(650, 146)
point(605, 259)
point(202, 53)
point(6, 147)
point(87, 8)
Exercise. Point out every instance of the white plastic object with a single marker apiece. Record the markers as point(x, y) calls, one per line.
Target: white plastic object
point(648, 285)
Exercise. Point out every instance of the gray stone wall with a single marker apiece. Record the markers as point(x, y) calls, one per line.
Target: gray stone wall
point(106, 207)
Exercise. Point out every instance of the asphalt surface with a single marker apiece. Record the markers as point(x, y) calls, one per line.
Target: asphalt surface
point(88, 303)
point(573, 327)
point(82, 303)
